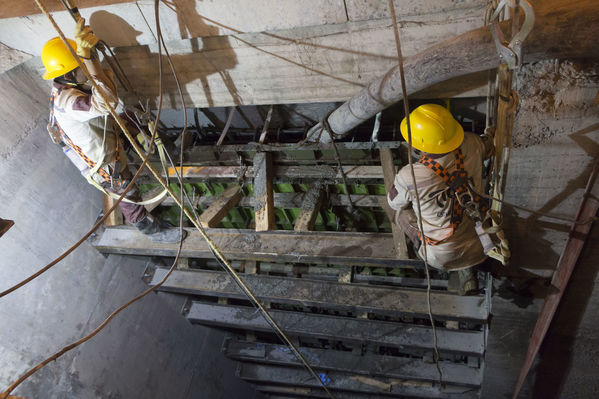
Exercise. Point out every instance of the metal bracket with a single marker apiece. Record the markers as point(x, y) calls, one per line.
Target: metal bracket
point(511, 53)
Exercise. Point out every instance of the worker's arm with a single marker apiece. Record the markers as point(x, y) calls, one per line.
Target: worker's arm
point(399, 196)
point(81, 105)
point(101, 103)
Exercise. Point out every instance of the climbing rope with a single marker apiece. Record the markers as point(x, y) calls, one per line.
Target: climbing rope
point(420, 225)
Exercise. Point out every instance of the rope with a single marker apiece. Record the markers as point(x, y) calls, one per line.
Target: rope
point(219, 255)
point(420, 226)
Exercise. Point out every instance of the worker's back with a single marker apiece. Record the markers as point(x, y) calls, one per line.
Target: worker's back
point(457, 248)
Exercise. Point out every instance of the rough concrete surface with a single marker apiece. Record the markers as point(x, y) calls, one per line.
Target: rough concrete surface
point(556, 139)
point(10, 58)
point(150, 351)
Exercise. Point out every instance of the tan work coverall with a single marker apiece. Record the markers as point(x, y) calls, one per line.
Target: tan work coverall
point(81, 116)
point(458, 249)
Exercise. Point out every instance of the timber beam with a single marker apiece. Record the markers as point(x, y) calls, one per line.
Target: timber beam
point(309, 209)
point(264, 207)
point(292, 200)
point(383, 387)
point(350, 362)
point(212, 216)
point(340, 248)
point(407, 338)
point(330, 295)
point(326, 173)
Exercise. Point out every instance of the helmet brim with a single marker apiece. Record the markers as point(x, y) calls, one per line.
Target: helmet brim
point(455, 142)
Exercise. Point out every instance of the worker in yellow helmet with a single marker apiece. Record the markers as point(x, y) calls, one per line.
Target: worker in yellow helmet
point(78, 119)
point(450, 160)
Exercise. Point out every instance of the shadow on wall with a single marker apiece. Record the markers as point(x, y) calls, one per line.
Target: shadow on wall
point(192, 27)
point(565, 339)
point(556, 354)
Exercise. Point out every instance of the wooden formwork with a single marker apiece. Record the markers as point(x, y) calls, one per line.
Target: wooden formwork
point(354, 302)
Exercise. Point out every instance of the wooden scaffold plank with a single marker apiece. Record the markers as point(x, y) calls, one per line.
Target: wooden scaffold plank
point(409, 338)
point(293, 200)
point(309, 209)
point(325, 247)
point(263, 192)
point(399, 236)
point(351, 382)
point(390, 301)
point(279, 172)
point(346, 361)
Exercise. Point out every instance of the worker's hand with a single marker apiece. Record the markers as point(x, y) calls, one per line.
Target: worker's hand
point(85, 39)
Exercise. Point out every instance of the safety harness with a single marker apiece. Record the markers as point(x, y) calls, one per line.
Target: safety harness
point(95, 167)
point(113, 181)
point(464, 200)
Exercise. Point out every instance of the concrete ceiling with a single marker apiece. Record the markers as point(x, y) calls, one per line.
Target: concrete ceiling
point(315, 50)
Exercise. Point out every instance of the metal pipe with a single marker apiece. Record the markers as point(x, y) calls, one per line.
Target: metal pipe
point(471, 52)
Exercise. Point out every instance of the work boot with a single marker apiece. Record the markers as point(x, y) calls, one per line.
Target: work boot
point(159, 230)
point(468, 281)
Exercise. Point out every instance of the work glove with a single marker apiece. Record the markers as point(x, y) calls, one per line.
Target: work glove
point(85, 39)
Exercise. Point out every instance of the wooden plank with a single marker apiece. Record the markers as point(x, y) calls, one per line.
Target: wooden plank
point(408, 338)
point(349, 382)
point(503, 135)
point(226, 128)
point(587, 209)
point(116, 217)
point(212, 216)
point(293, 200)
point(263, 192)
point(399, 237)
point(343, 248)
point(366, 364)
point(392, 301)
point(284, 172)
point(309, 209)
point(306, 147)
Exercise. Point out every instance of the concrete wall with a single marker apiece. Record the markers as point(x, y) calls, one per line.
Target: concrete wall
point(149, 351)
point(556, 140)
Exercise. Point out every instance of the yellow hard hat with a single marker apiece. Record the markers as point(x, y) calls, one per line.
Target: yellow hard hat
point(57, 58)
point(433, 129)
